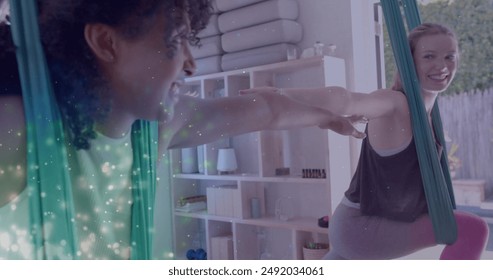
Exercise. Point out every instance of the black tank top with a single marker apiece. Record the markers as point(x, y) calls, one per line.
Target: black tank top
point(389, 186)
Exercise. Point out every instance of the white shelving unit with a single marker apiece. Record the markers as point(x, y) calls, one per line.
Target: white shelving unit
point(301, 200)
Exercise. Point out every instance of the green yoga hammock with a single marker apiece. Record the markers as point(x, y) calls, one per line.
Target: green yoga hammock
point(435, 173)
point(48, 181)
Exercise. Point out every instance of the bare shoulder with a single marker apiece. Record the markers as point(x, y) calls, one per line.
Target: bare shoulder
point(398, 99)
point(394, 130)
point(12, 148)
point(390, 93)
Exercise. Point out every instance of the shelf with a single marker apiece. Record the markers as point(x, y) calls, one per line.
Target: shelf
point(259, 156)
point(203, 215)
point(281, 67)
point(252, 178)
point(297, 223)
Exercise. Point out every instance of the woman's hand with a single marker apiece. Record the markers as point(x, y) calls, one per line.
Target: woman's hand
point(345, 125)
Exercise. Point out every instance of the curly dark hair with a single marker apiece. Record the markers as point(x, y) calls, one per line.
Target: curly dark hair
point(77, 79)
point(9, 78)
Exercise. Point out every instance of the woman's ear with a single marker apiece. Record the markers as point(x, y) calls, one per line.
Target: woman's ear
point(101, 39)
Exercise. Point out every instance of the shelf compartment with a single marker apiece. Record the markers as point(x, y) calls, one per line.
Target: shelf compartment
point(246, 242)
point(296, 149)
point(192, 88)
point(233, 202)
point(207, 156)
point(214, 88)
point(186, 188)
point(301, 238)
point(246, 149)
point(293, 200)
point(189, 234)
point(217, 229)
point(193, 163)
point(258, 242)
point(235, 83)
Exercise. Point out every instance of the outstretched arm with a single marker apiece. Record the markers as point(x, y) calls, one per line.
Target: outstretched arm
point(341, 102)
point(198, 121)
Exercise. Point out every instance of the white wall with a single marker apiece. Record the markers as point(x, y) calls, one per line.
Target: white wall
point(349, 24)
point(327, 21)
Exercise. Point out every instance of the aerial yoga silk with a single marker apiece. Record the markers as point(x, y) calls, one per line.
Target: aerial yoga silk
point(435, 173)
point(48, 182)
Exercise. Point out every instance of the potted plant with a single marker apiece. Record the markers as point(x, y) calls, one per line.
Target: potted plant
point(315, 250)
point(454, 162)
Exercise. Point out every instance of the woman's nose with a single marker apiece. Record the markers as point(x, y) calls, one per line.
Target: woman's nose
point(189, 66)
point(441, 64)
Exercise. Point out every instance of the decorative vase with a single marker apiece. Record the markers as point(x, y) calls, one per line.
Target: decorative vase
point(189, 162)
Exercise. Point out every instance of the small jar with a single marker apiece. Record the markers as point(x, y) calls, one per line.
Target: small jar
point(319, 48)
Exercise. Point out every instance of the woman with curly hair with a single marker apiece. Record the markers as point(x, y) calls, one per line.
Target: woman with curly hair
point(111, 63)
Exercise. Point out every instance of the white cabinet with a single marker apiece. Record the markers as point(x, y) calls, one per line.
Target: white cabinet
point(289, 205)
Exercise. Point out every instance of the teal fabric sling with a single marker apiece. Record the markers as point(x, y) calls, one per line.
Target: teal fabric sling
point(144, 145)
point(48, 181)
point(435, 173)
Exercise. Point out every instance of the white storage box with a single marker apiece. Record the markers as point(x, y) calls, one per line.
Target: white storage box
point(227, 5)
point(274, 32)
point(222, 248)
point(231, 201)
point(223, 200)
point(209, 46)
point(207, 65)
point(258, 13)
point(211, 29)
